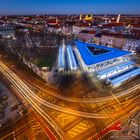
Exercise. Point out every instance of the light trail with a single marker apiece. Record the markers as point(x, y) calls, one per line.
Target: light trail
point(14, 79)
point(27, 97)
point(34, 100)
point(47, 104)
point(51, 91)
point(79, 100)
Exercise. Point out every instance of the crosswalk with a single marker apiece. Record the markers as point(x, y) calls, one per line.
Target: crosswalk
point(81, 127)
point(64, 119)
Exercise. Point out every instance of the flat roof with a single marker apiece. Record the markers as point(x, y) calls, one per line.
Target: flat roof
point(89, 57)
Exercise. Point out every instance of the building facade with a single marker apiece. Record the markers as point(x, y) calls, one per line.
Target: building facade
point(110, 64)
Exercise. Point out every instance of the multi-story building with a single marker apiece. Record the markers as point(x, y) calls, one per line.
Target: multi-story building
point(132, 45)
point(86, 35)
point(94, 57)
point(113, 65)
point(77, 28)
point(112, 39)
point(116, 27)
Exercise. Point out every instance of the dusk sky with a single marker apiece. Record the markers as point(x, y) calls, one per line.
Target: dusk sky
point(69, 6)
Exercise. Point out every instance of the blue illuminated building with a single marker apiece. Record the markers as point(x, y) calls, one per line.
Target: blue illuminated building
point(93, 54)
point(110, 64)
point(61, 58)
point(124, 76)
point(71, 59)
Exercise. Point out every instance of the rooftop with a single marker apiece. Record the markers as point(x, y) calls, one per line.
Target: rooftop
point(112, 24)
point(82, 24)
point(88, 32)
point(92, 53)
point(117, 35)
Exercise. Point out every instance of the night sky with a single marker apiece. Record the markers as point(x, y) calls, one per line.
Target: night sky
point(69, 6)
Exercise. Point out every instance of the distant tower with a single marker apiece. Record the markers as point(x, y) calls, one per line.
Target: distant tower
point(88, 18)
point(118, 18)
point(56, 20)
point(105, 17)
point(81, 17)
point(91, 16)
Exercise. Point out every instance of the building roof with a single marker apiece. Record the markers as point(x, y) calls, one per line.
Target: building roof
point(82, 24)
point(1, 22)
point(101, 53)
point(112, 24)
point(118, 35)
point(88, 32)
point(136, 25)
point(53, 22)
point(124, 76)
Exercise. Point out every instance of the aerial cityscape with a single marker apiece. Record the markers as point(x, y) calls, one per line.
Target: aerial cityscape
point(69, 70)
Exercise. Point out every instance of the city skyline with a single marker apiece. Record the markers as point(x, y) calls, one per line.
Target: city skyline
point(69, 70)
point(15, 7)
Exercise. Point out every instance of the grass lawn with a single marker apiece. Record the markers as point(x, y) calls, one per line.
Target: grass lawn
point(48, 60)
